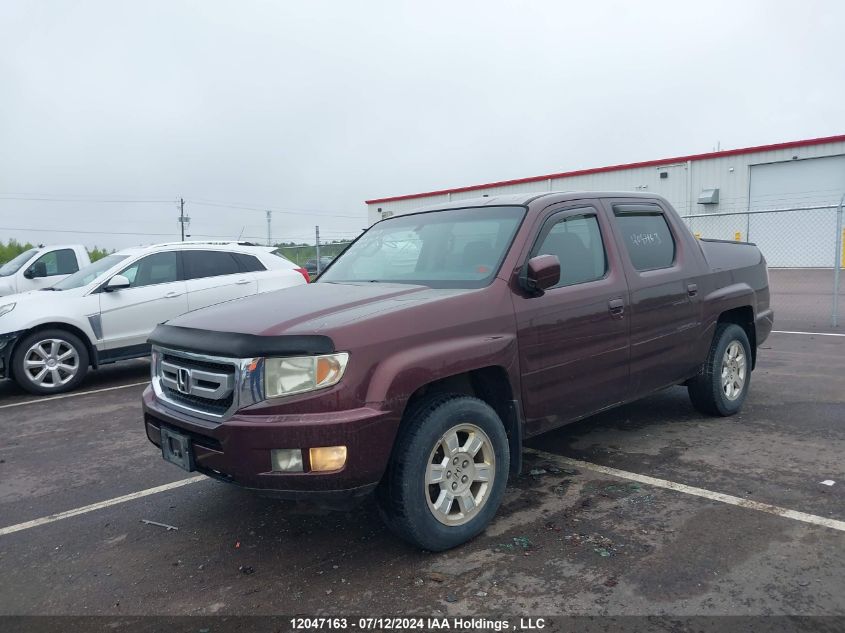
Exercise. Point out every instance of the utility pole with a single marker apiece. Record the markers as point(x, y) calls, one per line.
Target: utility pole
point(182, 216)
point(318, 249)
point(269, 230)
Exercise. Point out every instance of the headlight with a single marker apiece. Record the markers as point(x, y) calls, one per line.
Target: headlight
point(287, 376)
point(5, 309)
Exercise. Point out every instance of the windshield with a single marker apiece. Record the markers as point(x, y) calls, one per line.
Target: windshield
point(457, 248)
point(86, 275)
point(14, 265)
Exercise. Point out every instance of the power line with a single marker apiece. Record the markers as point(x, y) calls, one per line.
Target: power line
point(85, 200)
point(196, 201)
point(143, 234)
point(264, 209)
point(22, 228)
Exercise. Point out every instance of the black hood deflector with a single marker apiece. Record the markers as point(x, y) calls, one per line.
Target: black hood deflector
point(237, 345)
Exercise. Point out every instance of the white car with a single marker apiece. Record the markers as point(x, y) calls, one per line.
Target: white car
point(104, 312)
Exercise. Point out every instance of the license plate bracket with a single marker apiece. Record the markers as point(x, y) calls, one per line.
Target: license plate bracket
point(176, 448)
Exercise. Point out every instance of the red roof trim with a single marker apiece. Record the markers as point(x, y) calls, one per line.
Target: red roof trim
point(598, 170)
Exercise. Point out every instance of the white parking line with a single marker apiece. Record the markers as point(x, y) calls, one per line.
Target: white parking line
point(810, 333)
point(72, 395)
point(813, 519)
point(568, 462)
point(100, 505)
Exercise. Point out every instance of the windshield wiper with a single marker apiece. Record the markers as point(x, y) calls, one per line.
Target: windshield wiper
point(53, 289)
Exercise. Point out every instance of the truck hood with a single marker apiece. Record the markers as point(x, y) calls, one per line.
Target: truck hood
point(317, 308)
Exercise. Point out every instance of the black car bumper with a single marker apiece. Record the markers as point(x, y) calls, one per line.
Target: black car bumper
point(7, 344)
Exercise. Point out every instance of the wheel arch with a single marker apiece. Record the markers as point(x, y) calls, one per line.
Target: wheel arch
point(490, 384)
point(59, 325)
point(743, 316)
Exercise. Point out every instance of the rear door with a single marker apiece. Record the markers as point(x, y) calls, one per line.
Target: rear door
point(665, 308)
point(156, 294)
point(214, 277)
point(573, 340)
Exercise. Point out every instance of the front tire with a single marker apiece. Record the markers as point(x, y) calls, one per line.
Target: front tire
point(721, 387)
point(50, 361)
point(447, 474)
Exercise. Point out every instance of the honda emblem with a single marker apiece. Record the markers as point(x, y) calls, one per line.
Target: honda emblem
point(183, 380)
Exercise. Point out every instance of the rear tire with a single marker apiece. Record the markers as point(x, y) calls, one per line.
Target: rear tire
point(447, 474)
point(721, 387)
point(50, 361)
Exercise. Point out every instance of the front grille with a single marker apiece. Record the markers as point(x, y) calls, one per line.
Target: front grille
point(202, 385)
point(197, 363)
point(215, 407)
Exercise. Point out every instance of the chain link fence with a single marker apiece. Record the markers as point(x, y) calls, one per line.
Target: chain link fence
point(302, 254)
point(803, 248)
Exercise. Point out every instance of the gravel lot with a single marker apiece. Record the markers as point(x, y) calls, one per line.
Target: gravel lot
point(569, 540)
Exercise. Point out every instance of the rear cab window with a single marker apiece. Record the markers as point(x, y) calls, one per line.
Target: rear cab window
point(647, 237)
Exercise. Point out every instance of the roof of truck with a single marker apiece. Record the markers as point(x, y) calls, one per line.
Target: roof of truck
point(528, 197)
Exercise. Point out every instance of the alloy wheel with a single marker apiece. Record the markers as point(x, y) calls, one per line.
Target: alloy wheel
point(459, 475)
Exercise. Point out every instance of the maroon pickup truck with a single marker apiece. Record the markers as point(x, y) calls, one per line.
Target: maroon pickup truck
point(421, 358)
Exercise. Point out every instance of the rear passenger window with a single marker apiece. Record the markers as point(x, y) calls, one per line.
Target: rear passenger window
point(576, 240)
point(647, 238)
point(249, 263)
point(199, 264)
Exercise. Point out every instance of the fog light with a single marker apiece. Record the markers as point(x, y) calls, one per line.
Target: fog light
point(286, 459)
point(326, 458)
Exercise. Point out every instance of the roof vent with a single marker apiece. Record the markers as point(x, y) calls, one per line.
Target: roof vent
point(708, 196)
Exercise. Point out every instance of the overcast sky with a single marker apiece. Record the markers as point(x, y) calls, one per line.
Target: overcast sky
point(309, 108)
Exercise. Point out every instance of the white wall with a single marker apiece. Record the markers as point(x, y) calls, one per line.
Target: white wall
point(730, 174)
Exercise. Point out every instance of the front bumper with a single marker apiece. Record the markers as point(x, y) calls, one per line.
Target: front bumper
point(238, 450)
point(7, 344)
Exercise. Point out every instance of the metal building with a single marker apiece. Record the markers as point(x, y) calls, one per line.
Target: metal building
point(714, 191)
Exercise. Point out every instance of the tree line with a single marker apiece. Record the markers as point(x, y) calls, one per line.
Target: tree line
point(12, 248)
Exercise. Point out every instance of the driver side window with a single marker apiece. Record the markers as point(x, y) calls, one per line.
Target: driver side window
point(160, 268)
point(576, 241)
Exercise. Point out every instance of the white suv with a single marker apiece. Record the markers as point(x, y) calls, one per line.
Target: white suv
point(104, 312)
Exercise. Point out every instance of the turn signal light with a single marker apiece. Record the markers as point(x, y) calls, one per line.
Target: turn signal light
point(326, 458)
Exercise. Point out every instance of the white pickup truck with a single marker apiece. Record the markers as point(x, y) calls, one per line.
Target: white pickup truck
point(41, 267)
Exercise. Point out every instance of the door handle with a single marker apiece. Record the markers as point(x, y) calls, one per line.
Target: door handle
point(616, 306)
point(241, 282)
point(692, 289)
point(172, 294)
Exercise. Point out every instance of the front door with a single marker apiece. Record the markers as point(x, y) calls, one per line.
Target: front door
point(573, 339)
point(156, 294)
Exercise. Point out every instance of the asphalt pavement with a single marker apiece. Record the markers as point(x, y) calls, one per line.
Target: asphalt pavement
point(568, 539)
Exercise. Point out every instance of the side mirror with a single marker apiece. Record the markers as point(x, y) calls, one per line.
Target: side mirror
point(37, 270)
point(116, 283)
point(542, 273)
